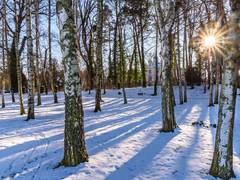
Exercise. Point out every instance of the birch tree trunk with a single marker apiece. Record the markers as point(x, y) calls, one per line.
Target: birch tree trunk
point(18, 61)
point(143, 68)
point(3, 52)
point(99, 55)
point(222, 163)
point(179, 61)
point(36, 4)
point(115, 73)
point(52, 68)
point(45, 72)
point(216, 97)
point(122, 64)
point(185, 58)
point(220, 15)
point(210, 103)
point(30, 62)
point(74, 139)
point(205, 78)
point(156, 60)
point(169, 123)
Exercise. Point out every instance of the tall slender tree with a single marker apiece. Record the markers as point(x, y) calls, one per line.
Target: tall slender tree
point(18, 59)
point(99, 55)
point(74, 139)
point(179, 70)
point(167, 19)
point(156, 59)
point(122, 62)
point(30, 61)
point(51, 66)
point(222, 163)
point(3, 52)
point(210, 103)
point(37, 45)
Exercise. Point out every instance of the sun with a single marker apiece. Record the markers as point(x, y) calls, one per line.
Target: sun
point(212, 38)
point(210, 41)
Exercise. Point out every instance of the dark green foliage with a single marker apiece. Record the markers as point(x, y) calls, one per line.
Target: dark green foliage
point(193, 76)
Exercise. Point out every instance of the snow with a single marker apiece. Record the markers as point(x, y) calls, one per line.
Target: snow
point(123, 140)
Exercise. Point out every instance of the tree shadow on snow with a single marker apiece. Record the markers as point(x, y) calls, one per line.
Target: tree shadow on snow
point(141, 160)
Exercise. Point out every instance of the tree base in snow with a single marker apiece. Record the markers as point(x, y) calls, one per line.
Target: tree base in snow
point(97, 110)
point(77, 161)
point(167, 130)
point(211, 105)
point(222, 173)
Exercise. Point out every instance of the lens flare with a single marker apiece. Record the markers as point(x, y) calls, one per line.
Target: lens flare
point(213, 37)
point(210, 41)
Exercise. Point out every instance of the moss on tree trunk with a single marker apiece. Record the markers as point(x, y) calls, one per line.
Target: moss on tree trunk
point(74, 139)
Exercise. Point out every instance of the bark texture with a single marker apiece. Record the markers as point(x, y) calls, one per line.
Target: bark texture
point(222, 163)
point(37, 45)
point(99, 55)
point(74, 139)
point(51, 66)
point(30, 62)
point(169, 123)
point(18, 61)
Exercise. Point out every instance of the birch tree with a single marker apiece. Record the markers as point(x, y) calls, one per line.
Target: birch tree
point(18, 59)
point(74, 139)
point(99, 55)
point(122, 61)
point(51, 66)
point(30, 62)
point(220, 15)
point(167, 11)
point(179, 61)
point(210, 102)
point(3, 52)
point(222, 163)
point(37, 45)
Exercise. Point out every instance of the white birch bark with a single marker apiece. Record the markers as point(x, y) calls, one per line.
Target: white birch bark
point(99, 54)
point(51, 66)
point(3, 54)
point(222, 163)
point(18, 61)
point(167, 17)
point(30, 62)
point(74, 139)
point(37, 45)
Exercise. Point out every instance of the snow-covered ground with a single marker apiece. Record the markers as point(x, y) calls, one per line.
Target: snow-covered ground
point(123, 140)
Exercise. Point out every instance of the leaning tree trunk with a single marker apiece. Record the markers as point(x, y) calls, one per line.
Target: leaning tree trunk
point(74, 138)
point(222, 163)
point(99, 55)
point(30, 64)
